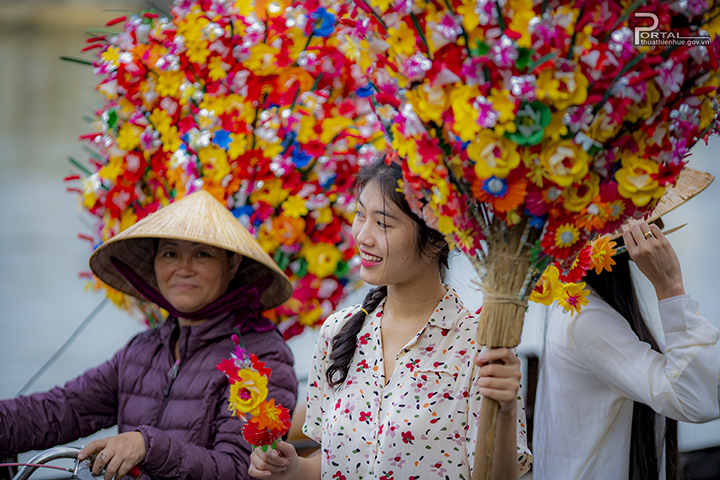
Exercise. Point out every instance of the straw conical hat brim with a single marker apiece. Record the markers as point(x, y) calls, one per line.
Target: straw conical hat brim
point(200, 218)
point(690, 182)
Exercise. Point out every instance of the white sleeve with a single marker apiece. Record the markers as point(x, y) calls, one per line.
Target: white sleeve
point(681, 384)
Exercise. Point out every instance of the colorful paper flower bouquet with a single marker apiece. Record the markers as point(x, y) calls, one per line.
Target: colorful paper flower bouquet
point(525, 129)
point(248, 379)
point(254, 102)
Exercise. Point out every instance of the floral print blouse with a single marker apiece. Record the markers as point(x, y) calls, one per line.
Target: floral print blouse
point(423, 423)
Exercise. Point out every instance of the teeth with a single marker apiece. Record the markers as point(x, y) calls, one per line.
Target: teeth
point(370, 258)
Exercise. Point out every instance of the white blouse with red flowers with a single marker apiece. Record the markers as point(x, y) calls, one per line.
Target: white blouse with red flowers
point(423, 423)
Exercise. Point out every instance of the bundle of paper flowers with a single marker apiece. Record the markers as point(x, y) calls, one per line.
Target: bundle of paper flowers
point(527, 128)
point(248, 379)
point(252, 101)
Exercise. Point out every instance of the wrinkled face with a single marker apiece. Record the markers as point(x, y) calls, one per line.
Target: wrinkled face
point(192, 275)
point(387, 240)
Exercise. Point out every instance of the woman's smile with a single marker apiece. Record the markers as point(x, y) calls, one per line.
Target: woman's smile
point(369, 261)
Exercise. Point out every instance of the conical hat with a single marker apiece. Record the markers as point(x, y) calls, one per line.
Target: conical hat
point(198, 217)
point(690, 182)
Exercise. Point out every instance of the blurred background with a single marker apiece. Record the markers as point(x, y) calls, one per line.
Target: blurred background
point(42, 300)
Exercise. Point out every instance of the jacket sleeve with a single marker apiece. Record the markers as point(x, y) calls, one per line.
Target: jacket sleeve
point(83, 406)
point(229, 454)
point(680, 383)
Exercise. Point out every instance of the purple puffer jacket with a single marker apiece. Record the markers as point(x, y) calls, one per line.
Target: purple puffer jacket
point(189, 431)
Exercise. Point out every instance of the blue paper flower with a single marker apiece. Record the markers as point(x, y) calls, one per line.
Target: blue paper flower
point(299, 157)
point(366, 91)
point(222, 139)
point(494, 186)
point(327, 23)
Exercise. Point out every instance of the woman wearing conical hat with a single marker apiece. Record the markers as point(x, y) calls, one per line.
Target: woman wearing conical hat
point(195, 260)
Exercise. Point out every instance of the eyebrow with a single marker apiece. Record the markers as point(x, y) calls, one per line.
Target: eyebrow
point(384, 213)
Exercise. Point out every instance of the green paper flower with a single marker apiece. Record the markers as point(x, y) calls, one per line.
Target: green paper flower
point(530, 120)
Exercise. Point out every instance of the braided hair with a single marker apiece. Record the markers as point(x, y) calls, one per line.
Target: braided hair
point(429, 241)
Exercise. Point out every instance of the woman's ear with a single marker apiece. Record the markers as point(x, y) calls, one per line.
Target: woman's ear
point(234, 263)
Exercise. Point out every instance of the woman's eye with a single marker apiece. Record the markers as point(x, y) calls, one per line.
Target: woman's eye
point(203, 254)
point(382, 225)
point(168, 254)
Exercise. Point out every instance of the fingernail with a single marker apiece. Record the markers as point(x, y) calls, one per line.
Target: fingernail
point(481, 358)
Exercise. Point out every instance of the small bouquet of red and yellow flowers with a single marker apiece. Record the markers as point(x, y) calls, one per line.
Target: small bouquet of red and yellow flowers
point(248, 379)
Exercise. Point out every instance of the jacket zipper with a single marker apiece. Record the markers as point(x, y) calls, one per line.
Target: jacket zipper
point(172, 375)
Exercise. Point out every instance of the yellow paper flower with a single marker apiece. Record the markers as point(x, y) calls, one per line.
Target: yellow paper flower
point(309, 317)
point(127, 219)
point(446, 226)
point(575, 199)
point(295, 207)
point(461, 99)
point(262, 59)
point(247, 394)
point(129, 136)
point(402, 39)
point(644, 109)
point(493, 155)
point(429, 102)
point(331, 127)
point(522, 13)
point(601, 255)
point(307, 129)
point(635, 180)
point(160, 120)
point(272, 192)
point(197, 51)
point(238, 146)
point(564, 89)
point(506, 108)
point(566, 235)
point(573, 297)
point(565, 162)
point(214, 161)
point(406, 147)
point(168, 83)
point(111, 55)
point(556, 128)
point(322, 259)
point(267, 238)
point(381, 5)
point(171, 140)
point(549, 288)
point(217, 71)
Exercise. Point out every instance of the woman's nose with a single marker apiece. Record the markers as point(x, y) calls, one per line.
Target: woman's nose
point(185, 264)
point(365, 236)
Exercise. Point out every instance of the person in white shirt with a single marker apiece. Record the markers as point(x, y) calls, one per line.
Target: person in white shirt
point(396, 383)
point(609, 394)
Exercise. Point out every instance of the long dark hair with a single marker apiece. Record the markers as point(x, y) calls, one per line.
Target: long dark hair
point(430, 242)
point(617, 289)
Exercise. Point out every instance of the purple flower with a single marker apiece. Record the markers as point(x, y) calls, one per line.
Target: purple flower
point(450, 27)
point(504, 52)
point(670, 77)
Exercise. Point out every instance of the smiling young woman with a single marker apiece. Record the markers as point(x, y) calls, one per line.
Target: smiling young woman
point(396, 383)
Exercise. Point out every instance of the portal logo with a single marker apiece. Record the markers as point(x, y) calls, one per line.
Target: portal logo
point(650, 36)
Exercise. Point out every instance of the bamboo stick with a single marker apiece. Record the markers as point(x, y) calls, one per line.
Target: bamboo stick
point(506, 272)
